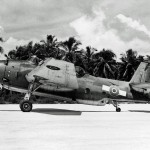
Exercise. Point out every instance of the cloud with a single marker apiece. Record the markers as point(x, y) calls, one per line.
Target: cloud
point(1, 30)
point(134, 24)
point(104, 26)
point(11, 44)
point(92, 30)
point(28, 19)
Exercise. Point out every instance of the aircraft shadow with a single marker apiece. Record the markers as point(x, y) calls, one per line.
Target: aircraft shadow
point(143, 111)
point(52, 111)
point(55, 111)
point(9, 110)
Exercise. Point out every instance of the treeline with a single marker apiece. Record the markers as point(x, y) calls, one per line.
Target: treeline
point(99, 63)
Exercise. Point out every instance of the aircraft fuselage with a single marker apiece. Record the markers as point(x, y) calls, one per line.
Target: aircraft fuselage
point(13, 74)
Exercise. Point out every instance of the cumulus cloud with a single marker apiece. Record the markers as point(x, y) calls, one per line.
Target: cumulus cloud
point(28, 19)
point(1, 30)
point(134, 24)
point(11, 44)
point(101, 27)
point(93, 31)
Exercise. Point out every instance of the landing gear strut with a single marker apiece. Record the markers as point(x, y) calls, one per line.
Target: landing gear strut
point(115, 104)
point(26, 104)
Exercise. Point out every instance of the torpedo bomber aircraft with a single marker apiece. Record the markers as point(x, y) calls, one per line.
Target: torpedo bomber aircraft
point(58, 79)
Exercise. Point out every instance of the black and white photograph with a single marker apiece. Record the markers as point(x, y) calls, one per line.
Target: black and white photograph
point(74, 75)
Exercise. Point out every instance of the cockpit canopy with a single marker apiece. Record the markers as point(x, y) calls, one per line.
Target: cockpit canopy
point(80, 72)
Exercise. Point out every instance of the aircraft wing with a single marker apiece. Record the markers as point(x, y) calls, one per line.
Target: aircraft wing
point(42, 94)
point(54, 72)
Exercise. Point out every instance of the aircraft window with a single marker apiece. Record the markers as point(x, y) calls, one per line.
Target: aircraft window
point(79, 72)
point(52, 67)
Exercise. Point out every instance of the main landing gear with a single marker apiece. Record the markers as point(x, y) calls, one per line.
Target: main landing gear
point(115, 104)
point(26, 104)
point(118, 109)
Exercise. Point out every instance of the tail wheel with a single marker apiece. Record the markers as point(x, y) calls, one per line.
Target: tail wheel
point(25, 106)
point(118, 109)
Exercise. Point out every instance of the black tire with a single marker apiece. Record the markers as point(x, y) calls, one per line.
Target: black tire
point(118, 109)
point(25, 106)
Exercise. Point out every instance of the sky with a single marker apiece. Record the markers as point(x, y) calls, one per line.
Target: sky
point(111, 24)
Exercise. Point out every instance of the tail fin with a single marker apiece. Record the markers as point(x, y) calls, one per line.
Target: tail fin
point(140, 74)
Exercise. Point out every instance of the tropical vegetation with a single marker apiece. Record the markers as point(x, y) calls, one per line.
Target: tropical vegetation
point(99, 63)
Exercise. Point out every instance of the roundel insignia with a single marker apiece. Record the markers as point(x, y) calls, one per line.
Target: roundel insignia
point(114, 90)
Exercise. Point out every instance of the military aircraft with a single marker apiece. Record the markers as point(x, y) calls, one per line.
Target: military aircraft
point(59, 79)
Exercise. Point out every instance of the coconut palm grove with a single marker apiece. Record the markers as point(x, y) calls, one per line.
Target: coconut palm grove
point(99, 63)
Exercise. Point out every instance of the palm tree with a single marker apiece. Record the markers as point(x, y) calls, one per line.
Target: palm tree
point(105, 64)
point(87, 59)
point(51, 46)
point(48, 48)
point(70, 47)
point(39, 50)
point(22, 52)
point(129, 64)
point(12, 54)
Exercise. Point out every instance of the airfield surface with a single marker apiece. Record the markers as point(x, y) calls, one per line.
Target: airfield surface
point(75, 127)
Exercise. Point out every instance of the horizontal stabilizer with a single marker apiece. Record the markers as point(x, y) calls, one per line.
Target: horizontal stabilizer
point(141, 85)
point(129, 101)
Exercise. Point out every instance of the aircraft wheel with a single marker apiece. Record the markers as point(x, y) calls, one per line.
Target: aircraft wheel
point(25, 106)
point(118, 109)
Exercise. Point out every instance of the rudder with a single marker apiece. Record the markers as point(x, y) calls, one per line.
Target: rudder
point(140, 74)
